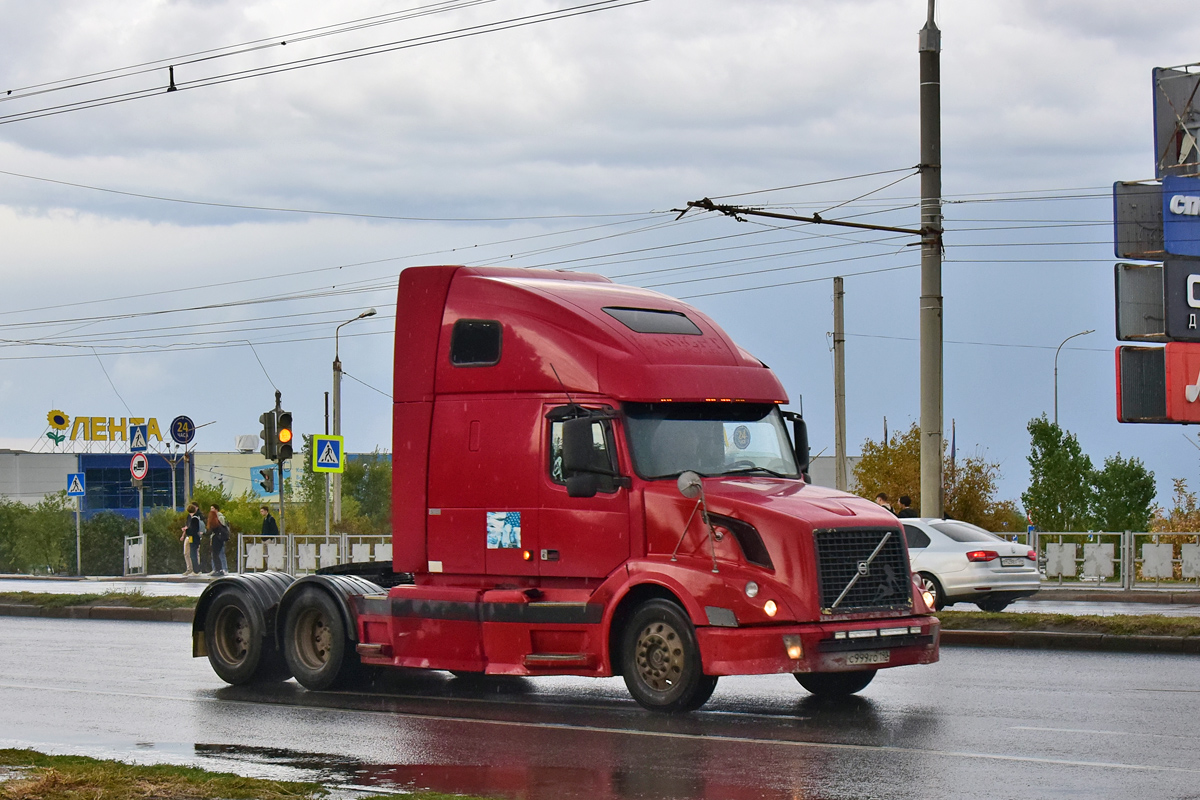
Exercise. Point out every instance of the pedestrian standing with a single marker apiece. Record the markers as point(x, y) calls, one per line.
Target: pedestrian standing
point(906, 509)
point(219, 535)
point(269, 526)
point(881, 500)
point(191, 540)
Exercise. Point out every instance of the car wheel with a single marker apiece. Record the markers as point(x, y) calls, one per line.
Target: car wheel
point(993, 604)
point(835, 684)
point(660, 659)
point(931, 585)
point(315, 643)
point(236, 642)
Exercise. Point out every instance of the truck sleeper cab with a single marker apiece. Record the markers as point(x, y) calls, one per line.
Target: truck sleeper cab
point(592, 479)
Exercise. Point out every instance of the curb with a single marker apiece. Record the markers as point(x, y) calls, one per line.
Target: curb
point(124, 613)
point(1093, 595)
point(1051, 640)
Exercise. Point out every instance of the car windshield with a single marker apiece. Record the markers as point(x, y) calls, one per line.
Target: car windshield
point(965, 532)
point(709, 438)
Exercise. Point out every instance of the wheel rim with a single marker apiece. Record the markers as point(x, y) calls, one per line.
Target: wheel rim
point(232, 631)
point(313, 639)
point(930, 586)
point(660, 658)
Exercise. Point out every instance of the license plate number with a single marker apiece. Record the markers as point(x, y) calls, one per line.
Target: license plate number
point(1016, 561)
point(869, 657)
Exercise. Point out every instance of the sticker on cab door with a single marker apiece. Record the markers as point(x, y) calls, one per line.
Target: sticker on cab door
point(503, 530)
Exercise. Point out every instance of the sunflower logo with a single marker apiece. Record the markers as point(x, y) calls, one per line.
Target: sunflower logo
point(59, 421)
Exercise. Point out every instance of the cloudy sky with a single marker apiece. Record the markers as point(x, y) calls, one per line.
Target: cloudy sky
point(152, 244)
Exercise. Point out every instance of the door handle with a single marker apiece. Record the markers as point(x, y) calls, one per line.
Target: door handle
point(549, 555)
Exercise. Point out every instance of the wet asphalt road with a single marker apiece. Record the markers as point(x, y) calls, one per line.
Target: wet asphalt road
point(981, 723)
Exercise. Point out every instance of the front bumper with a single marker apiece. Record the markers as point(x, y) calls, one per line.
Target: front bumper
point(825, 647)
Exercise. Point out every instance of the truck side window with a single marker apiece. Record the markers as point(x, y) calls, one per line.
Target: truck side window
point(602, 440)
point(475, 343)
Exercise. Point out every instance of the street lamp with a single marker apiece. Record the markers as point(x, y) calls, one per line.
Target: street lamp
point(1064, 341)
point(336, 478)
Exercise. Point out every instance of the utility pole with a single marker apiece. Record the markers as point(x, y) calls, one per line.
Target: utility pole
point(839, 386)
point(929, 50)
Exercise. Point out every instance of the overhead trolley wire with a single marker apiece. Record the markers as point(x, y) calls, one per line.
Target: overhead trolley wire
point(329, 58)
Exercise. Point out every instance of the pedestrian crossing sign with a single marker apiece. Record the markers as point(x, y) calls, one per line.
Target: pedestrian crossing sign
point(75, 485)
point(139, 438)
point(329, 453)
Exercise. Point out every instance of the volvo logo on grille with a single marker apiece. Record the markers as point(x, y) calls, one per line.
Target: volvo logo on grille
point(864, 568)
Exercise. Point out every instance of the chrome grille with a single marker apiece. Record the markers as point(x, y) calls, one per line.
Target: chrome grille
point(856, 573)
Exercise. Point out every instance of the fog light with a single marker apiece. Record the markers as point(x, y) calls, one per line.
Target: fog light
point(751, 589)
point(770, 608)
point(794, 649)
point(928, 598)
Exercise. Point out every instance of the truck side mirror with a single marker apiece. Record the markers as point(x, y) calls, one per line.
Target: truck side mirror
point(800, 442)
point(579, 452)
point(583, 484)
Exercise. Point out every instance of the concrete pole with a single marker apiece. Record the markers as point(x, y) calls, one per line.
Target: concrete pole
point(839, 387)
point(931, 268)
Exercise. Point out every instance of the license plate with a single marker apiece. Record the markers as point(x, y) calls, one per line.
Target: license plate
point(1017, 561)
point(869, 657)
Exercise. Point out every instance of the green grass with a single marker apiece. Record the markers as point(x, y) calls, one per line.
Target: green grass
point(1116, 625)
point(36, 776)
point(134, 599)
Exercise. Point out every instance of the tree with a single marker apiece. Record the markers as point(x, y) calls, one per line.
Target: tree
point(1061, 489)
point(1184, 515)
point(1124, 495)
point(894, 468)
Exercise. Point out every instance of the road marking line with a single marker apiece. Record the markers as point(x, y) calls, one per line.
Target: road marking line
point(1097, 733)
point(555, 726)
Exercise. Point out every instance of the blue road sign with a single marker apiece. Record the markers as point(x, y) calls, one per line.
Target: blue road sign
point(329, 453)
point(139, 438)
point(183, 430)
point(75, 485)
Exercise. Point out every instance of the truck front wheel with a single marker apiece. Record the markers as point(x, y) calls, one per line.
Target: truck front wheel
point(315, 642)
point(236, 642)
point(661, 659)
point(835, 684)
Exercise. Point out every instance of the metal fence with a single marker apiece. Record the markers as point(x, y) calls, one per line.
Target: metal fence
point(1124, 560)
point(304, 554)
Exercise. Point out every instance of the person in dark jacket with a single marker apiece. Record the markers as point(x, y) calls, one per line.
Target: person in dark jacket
point(219, 534)
point(906, 509)
point(269, 527)
point(191, 540)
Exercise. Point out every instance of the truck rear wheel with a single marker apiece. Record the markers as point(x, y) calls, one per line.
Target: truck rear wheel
point(835, 684)
point(235, 638)
point(315, 643)
point(661, 659)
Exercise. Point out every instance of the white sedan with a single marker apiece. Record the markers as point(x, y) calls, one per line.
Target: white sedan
point(960, 562)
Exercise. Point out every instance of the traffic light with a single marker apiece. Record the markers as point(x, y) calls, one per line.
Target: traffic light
point(283, 435)
point(270, 448)
point(268, 481)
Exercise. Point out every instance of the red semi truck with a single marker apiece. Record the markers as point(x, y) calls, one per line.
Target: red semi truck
point(588, 479)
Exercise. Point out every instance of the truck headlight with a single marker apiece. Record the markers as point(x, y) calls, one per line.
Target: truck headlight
point(770, 608)
point(751, 589)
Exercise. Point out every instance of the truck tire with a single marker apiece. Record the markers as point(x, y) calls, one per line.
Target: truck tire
point(315, 644)
point(238, 649)
point(660, 659)
point(835, 684)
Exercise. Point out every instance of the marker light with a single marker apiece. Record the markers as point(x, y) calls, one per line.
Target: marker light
point(751, 589)
point(525, 554)
point(770, 608)
point(795, 650)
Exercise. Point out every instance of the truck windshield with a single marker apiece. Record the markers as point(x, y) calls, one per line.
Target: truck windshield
point(709, 438)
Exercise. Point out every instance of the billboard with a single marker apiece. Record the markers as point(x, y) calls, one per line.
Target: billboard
point(1181, 216)
point(1176, 121)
